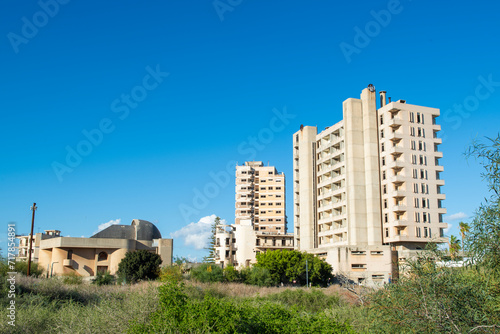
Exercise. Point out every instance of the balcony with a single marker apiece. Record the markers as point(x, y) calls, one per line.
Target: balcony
point(70, 263)
point(400, 222)
point(400, 208)
point(395, 122)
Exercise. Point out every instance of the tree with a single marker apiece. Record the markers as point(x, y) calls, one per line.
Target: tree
point(454, 246)
point(483, 241)
point(287, 266)
point(210, 258)
point(207, 273)
point(464, 228)
point(139, 265)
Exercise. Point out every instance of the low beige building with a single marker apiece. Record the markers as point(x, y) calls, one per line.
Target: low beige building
point(24, 244)
point(104, 250)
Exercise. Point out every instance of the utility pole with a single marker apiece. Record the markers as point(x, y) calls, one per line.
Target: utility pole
point(307, 275)
point(33, 208)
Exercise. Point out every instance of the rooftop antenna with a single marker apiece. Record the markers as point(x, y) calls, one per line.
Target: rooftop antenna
point(33, 208)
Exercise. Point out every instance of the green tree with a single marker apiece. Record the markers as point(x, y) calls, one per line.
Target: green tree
point(207, 272)
point(210, 258)
point(454, 247)
point(286, 266)
point(231, 274)
point(139, 265)
point(483, 241)
point(464, 229)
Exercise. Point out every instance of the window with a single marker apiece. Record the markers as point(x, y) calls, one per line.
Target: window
point(424, 217)
point(412, 131)
point(381, 133)
point(383, 175)
point(271, 173)
point(412, 117)
point(418, 232)
point(381, 119)
point(415, 188)
point(278, 188)
point(383, 161)
point(416, 203)
point(385, 203)
point(422, 118)
point(414, 159)
point(385, 189)
point(387, 232)
point(358, 266)
point(421, 159)
point(386, 218)
point(70, 254)
point(382, 147)
point(419, 132)
point(415, 173)
point(278, 211)
point(426, 232)
point(413, 146)
point(417, 217)
point(418, 117)
point(103, 256)
point(424, 203)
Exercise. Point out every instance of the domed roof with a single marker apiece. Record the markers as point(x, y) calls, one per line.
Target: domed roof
point(145, 230)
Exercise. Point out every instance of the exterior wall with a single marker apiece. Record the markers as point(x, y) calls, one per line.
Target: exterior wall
point(24, 244)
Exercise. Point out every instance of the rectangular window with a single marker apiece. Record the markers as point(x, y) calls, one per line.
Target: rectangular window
point(412, 117)
point(381, 119)
point(385, 203)
point(416, 203)
point(381, 133)
point(412, 131)
point(413, 146)
point(419, 132)
point(417, 217)
point(383, 161)
point(422, 118)
point(414, 159)
point(383, 175)
point(415, 173)
point(424, 217)
point(382, 147)
point(415, 188)
point(385, 189)
point(418, 117)
point(418, 232)
point(386, 218)
point(426, 232)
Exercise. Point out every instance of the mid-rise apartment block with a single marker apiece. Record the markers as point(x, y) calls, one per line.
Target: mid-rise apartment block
point(260, 197)
point(367, 190)
point(260, 216)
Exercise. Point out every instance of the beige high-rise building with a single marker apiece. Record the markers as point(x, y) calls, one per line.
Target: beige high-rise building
point(367, 190)
point(260, 217)
point(260, 197)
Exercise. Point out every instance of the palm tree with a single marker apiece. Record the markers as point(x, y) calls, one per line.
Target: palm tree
point(464, 228)
point(454, 246)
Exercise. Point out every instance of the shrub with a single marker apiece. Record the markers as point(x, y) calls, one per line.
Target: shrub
point(72, 278)
point(35, 269)
point(257, 276)
point(207, 272)
point(139, 265)
point(103, 278)
point(231, 274)
point(171, 273)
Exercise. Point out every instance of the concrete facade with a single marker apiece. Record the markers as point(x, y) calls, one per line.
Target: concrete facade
point(358, 201)
point(104, 250)
point(24, 244)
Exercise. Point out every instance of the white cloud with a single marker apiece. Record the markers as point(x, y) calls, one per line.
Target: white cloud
point(106, 225)
point(197, 234)
point(446, 230)
point(456, 216)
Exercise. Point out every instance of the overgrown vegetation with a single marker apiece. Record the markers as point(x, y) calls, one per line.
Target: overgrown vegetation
point(178, 313)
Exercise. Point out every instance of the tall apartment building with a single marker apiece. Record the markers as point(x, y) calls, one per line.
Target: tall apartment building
point(367, 190)
point(260, 216)
point(260, 196)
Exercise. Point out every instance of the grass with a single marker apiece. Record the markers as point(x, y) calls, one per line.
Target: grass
point(50, 306)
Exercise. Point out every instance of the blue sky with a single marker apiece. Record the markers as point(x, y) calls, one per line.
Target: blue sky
point(121, 110)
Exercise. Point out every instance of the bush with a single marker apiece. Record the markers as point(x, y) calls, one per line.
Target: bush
point(72, 278)
point(139, 265)
point(35, 269)
point(171, 273)
point(179, 314)
point(257, 276)
point(207, 272)
point(103, 279)
point(231, 274)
